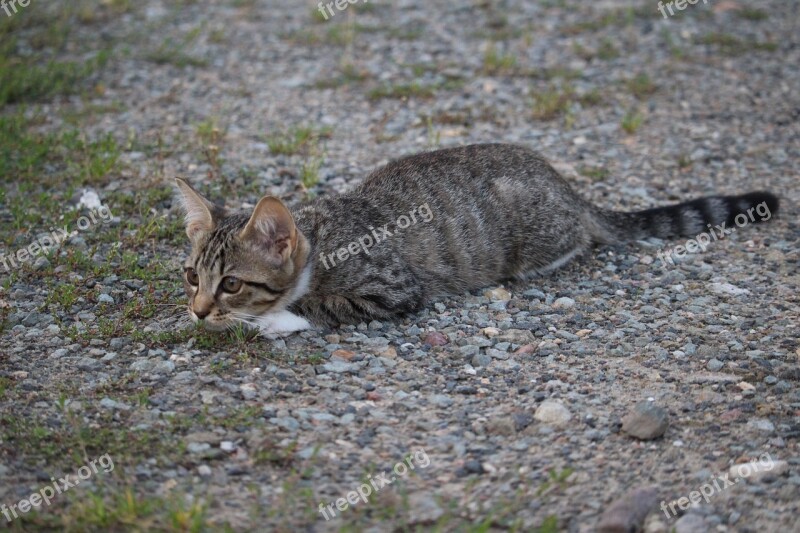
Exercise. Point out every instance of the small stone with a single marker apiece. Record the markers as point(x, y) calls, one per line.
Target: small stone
point(481, 359)
point(646, 421)
point(490, 332)
point(762, 469)
point(142, 365)
point(441, 400)
point(715, 365)
point(389, 352)
point(727, 288)
point(553, 413)
point(498, 294)
point(347, 355)
point(423, 509)
point(105, 299)
point(564, 303)
point(470, 350)
point(87, 363)
point(197, 447)
point(204, 471)
point(248, 391)
point(761, 425)
point(745, 386)
point(501, 425)
point(108, 403)
point(628, 512)
point(163, 367)
point(435, 338)
point(691, 523)
point(526, 349)
point(41, 263)
point(340, 367)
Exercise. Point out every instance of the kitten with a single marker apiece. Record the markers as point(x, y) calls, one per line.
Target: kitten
point(441, 222)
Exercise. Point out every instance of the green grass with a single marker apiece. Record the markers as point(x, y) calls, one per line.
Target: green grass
point(495, 62)
point(348, 74)
point(557, 101)
point(751, 13)
point(402, 91)
point(173, 51)
point(124, 510)
point(29, 68)
point(631, 122)
point(731, 45)
point(595, 173)
point(607, 50)
point(23, 80)
point(297, 139)
point(641, 86)
point(309, 172)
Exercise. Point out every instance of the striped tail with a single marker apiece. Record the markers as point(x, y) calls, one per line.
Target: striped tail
point(687, 219)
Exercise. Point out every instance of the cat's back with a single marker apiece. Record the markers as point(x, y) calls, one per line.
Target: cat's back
point(452, 167)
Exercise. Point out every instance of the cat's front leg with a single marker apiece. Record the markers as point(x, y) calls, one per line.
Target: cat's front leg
point(282, 322)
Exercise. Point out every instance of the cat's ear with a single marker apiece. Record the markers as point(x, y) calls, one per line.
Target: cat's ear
point(200, 213)
point(271, 228)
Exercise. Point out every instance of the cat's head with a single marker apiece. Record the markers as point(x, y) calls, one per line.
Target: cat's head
point(242, 265)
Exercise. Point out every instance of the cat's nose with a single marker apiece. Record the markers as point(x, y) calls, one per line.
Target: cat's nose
point(201, 313)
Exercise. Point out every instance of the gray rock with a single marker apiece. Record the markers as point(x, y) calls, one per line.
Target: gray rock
point(163, 367)
point(646, 421)
point(761, 425)
point(142, 365)
point(340, 367)
point(564, 303)
point(481, 360)
point(552, 413)
point(691, 523)
point(629, 511)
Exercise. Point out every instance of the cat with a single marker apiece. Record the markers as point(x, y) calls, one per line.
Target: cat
point(423, 226)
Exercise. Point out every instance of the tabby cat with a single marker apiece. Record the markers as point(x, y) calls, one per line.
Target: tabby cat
point(447, 221)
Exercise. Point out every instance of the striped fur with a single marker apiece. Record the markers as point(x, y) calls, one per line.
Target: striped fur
point(497, 212)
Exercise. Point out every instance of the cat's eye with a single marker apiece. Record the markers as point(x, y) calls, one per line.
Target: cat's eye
point(192, 277)
point(231, 284)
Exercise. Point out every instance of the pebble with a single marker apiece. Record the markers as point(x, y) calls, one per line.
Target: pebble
point(761, 425)
point(628, 512)
point(498, 294)
point(340, 367)
point(435, 338)
point(564, 303)
point(761, 470)
point(553, 413)
point(691, 523)
point(646, 421)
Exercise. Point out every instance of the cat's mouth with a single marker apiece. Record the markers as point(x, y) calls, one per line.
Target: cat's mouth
point(211, 322)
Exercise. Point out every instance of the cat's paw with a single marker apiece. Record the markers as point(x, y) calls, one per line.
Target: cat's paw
point(273, 325)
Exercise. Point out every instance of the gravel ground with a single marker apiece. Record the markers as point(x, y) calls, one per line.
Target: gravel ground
point(530, 406)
